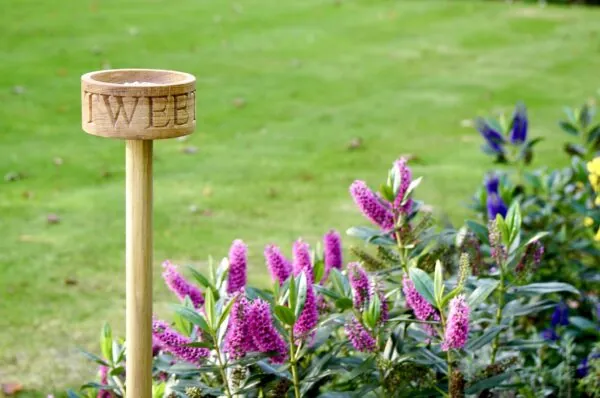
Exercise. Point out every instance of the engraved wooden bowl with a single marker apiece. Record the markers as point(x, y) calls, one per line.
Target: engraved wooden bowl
point(138, 104)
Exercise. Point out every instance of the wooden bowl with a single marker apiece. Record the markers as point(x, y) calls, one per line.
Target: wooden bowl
point(138, 104)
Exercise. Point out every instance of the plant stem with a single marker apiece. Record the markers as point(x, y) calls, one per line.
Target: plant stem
point(448, 353)
point(222, 367)
point(293, 365)
point(496, 341)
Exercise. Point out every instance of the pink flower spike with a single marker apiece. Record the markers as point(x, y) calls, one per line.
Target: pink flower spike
point(372, 206)
point(238, 263)
point(302, 260)
point(457, 327)
point(180, 286)
point(279, 267)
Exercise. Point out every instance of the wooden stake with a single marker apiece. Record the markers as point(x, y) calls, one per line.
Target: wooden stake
point(139, 267)
point(138, 105)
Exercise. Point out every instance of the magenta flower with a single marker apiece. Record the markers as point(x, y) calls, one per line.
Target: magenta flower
point(360, 337)
point(405, 180)
point(359, 282)
point(279, 266)
point(421, 307)
point(332, 253)
point(238, 260)
point(180, 286)
point(103, 372)
point(173, 342)
point(309, 317)
point(264, 334)
point(384, 308)
point(302, 260)
point(371, 206)
point(457, 327)
point(237, 340)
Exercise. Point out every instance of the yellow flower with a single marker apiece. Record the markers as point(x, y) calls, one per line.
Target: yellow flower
point(588, 221)
point(597, 200)
point(597, 237)
point(594, 166)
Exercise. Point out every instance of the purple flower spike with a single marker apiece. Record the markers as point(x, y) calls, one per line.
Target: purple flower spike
point(518, 134)
point(302, 260)
point(103, 372)
point(332, 255)
point(360, 337)
point(457, 328)
point(180, 286)
point(237, 340)
point(359, 281)
point(495, 206)
point(491, 183)
point(549, 334)
point(385, 308)
point(303, 328)
point(371, 206)
point(175, 343)
point(265, 335)
point(238, 261)
point(494, 139)
point(560, 316)
point(279, 266)
point(421, 307)
point(405, 180)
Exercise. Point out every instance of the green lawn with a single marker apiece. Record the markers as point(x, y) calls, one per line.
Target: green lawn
point(312, 76)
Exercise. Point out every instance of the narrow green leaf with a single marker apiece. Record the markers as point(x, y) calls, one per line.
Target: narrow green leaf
point(546, 287)
point(202, 280)
point(343, 303)
point(318, 270)
point(537, 236)
point(210, 309)
point(486, 338)
point(226, 311)
point(423, 284)
point(285, 315)
point(503, 228)
point(438, 283)
point(479, 230)
point(481, 293)
point(94, 358)
point(193, 316)
point(200, 344)
point(490, 382)
point(293, 292)
point(106, 341)
point(301, 294)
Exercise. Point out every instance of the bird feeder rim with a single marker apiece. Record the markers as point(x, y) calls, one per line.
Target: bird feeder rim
point(95, 77)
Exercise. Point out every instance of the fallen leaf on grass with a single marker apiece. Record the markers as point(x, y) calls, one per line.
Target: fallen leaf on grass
point(52, 218)
point(354, 144)
point(11, 388)
point(13, 176)
point(71, 281)
point(239, 102)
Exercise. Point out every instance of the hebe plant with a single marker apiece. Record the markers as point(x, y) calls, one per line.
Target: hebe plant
point(421, 312)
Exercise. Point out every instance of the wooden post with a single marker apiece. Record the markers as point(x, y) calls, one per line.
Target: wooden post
point(138, 105)
point(139, 266)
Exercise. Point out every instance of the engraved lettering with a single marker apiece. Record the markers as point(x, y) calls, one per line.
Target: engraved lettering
point(114, 115)
point(90, 107)
point(162, 111)
point(180, 107)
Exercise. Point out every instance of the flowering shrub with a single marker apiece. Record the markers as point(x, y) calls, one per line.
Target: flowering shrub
point(420, 312)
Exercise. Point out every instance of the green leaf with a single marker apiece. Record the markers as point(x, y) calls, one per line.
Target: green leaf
point(210, 309)
point(514, 308)
point(438, 283)
point(386, 192)
point(583, 324)
point(285, 315)
point(183, 325)
point(106, 342)
point(570, 112)
point(546, 287)
point(73, 394)
point(226, 311)
point(486, 338)
point(374, 311)
point(301, 294)
point(344, 303)
point(537, 236)
point(193, 316)
point(514, 221)
point(482, 292)
point(413, 185)
point(490, 382)
point(569, 128)
point(200, 344)
point(319, 270)
point(423, 284)
point(479, 230)
point(293, 292)
point(202, 280)
point(370, 235)
point(504, 231)
point(94, 358)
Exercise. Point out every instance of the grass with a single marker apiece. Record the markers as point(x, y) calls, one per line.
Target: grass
point(313, 76)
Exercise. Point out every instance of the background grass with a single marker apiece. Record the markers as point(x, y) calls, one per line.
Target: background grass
point(312, 76)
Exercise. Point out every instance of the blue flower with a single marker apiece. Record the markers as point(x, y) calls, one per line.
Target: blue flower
point(560, 316)
point(495, 206)
point(549, 334)
point(518, 134)
point(493, 138)
point(491, 183)
point(584, 367)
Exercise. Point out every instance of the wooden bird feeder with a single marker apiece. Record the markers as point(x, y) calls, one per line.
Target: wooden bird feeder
point(139, 106)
